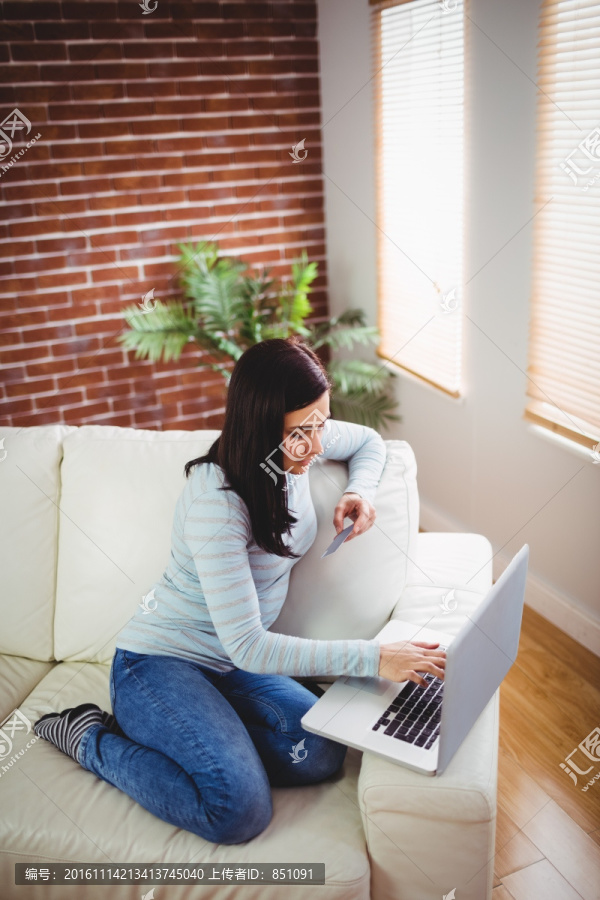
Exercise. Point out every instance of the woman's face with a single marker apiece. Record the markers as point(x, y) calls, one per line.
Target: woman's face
point(302, 435)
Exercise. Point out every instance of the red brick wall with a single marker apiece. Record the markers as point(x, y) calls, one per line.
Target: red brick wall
point(155, 129)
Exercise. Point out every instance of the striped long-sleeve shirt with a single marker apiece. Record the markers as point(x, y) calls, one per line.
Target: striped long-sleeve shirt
point(220, 591)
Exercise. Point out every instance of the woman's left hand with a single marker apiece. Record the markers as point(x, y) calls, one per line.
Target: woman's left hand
point(356, 508)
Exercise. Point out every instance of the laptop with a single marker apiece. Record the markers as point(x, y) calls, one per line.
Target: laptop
point(418, 727)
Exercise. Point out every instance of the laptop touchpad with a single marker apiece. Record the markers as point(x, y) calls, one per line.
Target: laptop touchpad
point(373, 685)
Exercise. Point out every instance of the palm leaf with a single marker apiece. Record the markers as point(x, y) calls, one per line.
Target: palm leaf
point(303, 274)
point(214, 286)
point(163, 331)
point(293, 306)
point(229, 348)
point(345, 338)
point(350, 375)
point(364, 408)
point(349, 317)
point(217, 299)
point(341, 332)
point(202, 256)
point(256, 293)
point(275, 330)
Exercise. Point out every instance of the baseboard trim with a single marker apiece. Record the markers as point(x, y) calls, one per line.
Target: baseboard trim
point(542, 598)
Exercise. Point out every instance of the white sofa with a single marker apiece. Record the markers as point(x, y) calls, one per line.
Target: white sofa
point(84, 532)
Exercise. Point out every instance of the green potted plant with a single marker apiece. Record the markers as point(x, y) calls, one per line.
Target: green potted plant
point(225, 310)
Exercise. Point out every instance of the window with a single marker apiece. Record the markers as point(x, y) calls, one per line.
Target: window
point(418, 59)
point(564, 357)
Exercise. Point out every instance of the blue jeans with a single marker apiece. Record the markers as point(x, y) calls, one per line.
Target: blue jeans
point(201, 749)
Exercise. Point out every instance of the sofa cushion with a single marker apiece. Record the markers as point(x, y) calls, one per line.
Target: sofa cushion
point(118, 496)
point(18, 677)
point(55, 809)
point(29, 487)
point(351, 594)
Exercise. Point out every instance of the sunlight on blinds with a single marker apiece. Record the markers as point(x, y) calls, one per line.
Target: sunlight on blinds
point(564, 356)
point(418, 60)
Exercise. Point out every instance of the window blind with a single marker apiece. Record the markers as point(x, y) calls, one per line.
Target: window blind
point(417, 51)
point(563, 388)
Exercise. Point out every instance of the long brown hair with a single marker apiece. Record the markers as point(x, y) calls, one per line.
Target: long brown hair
point(270, 379)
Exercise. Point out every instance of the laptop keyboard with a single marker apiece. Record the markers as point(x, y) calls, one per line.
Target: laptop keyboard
point(415, 712)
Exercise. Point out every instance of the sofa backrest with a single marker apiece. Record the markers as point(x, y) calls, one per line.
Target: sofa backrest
point(29, 501)
point(118, 490)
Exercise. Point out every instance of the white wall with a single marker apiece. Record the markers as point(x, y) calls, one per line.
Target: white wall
point(481, 467)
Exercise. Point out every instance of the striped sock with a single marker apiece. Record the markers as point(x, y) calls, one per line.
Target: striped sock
point(111, 723)
point(66, 729)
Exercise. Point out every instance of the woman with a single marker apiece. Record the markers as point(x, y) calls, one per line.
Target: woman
point(206, 713)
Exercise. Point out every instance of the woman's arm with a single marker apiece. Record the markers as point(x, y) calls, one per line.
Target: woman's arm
point(217, 532)
point(362, 448)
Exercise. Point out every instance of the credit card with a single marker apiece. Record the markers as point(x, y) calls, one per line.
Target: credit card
point(338, 541)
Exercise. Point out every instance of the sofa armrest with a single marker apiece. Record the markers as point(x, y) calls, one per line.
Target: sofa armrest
point(445, 561)
point(426, 835)
point(439, 831)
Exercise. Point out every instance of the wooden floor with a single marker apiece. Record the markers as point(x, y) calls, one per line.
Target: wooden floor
point(548, 830)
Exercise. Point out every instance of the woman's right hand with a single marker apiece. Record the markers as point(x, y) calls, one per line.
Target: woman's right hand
point(403, 660)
